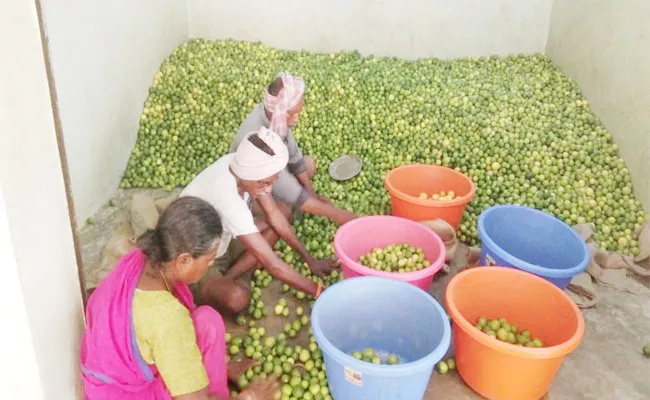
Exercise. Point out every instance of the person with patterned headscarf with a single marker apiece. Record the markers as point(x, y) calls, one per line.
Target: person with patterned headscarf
point(280, 111)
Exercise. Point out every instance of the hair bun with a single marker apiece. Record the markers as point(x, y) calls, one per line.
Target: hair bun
point(149, 243)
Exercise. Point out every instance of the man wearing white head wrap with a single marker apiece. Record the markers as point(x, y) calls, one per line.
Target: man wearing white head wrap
point(253, 163)
point(230, 185)
point(283, 103)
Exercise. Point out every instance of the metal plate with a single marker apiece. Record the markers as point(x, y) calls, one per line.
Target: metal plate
point(345, 167)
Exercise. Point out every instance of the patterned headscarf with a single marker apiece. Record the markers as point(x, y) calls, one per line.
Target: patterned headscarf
point(293, 88)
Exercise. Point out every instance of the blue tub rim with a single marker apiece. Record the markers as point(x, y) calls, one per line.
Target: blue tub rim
point(526, 266)
point(384, 371)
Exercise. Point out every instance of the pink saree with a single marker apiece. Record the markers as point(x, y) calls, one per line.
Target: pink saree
point(111, 363)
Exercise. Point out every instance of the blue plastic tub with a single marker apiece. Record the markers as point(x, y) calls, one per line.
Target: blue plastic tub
point(533, 241)
point(389, 316)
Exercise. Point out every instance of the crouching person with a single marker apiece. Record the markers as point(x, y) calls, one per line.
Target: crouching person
point(145, 339)
point(231, 185)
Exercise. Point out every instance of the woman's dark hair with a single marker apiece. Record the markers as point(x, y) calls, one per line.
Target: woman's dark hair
point(188, 225)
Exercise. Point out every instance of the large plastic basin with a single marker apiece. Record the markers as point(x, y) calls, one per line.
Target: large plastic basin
point(502, 371)
point(405, 183)
point(533, 241)
point(386, 315)
point(361, 235)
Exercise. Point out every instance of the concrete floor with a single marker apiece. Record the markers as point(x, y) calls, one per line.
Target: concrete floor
point(608, 364)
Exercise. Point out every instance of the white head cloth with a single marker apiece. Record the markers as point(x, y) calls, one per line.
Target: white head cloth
point(293, 88)
point(253, 164)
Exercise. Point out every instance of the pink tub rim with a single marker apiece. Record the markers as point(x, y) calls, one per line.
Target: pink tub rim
point(432, 269)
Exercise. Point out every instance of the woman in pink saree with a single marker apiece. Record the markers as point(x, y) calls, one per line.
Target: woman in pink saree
point(145, 339)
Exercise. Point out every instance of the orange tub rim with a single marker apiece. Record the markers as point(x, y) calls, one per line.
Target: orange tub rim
point(430, 203)
point(556, 351)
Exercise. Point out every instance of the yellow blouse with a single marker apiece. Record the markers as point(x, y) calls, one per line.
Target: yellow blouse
point(166, 338)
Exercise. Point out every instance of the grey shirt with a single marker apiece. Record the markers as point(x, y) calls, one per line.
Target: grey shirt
point(257, 119)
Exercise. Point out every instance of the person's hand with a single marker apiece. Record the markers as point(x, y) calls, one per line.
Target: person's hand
point(262, 390)
point(347, 216)
point(323, 198)
point(323, 268)
point(342, 216)
point(238, 368)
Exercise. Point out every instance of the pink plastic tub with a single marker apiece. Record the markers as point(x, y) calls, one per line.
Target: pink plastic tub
point(361, 235)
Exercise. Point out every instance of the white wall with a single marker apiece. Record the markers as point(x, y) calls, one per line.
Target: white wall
point(41, 294)
point(605, 46)
point(403, 28)
point(19, 375)
point(104, 55)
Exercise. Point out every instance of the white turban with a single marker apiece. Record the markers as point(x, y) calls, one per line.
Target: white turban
point(293, 88)
point(253, 164)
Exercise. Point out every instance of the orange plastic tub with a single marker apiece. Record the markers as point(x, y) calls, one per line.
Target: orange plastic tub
point(405, 183)
point(502, 371)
